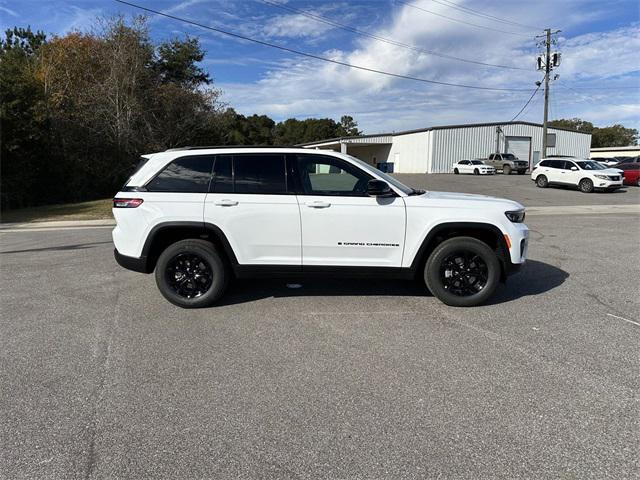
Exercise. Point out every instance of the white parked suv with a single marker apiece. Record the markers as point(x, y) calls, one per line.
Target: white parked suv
point(476, 167)
point(202, 216)
point(587, 175)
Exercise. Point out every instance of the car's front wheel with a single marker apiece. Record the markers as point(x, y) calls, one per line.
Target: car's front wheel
point(456, 171)
point(476, 171)
point(462, 272)
point(191, 274)
point(586, 185)
point(506, 169)
point(542, 181)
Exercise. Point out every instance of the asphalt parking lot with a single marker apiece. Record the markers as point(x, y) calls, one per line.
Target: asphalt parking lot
point(102, 378)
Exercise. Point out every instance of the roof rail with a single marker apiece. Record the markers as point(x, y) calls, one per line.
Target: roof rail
point(212, 147)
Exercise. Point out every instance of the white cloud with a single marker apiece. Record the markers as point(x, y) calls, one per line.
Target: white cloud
point(303, 87)
point(294, 26)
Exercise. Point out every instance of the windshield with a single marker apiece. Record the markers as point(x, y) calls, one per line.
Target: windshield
point(590, 165)
point(387, 178)
point(508, 156)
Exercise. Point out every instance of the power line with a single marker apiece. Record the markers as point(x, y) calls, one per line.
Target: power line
point(390, 41)
point(478, 13)
point(318, 57)
point(526, 104)
point(461, 21)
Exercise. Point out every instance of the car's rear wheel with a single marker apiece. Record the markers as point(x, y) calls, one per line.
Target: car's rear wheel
point(506, 169)
point(191, 274)
point(476, 171)
point(462, 272)
point(542, 181)
point(456, 171)
point(586, 185)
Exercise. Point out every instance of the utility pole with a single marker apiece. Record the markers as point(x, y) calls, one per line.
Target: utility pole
point(547, 69)
point(549, 63)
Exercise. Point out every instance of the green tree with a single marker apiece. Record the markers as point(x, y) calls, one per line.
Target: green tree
point(24, 136)
point(573, 124)
point(614, 136)
point(176, 62)
point(348, 127)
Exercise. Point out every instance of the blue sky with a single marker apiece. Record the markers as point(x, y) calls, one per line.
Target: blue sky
point(599, 43)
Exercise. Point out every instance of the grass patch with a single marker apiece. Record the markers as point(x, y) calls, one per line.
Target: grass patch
point(94, 210)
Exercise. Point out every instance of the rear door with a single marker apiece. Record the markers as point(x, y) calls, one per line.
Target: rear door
point(553, 170)
point(251, 201)
point(341, 224)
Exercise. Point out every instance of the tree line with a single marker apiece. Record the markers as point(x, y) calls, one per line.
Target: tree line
point(613, 136)
point(78, 110)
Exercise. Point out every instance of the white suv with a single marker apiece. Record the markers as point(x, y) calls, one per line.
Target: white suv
point(202, 216)
point(587, 175)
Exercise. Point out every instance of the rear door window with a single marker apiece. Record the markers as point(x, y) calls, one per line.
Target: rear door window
point(259, 173)
point(185, 175)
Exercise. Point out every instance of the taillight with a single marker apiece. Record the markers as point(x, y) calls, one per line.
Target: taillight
point(127, 202)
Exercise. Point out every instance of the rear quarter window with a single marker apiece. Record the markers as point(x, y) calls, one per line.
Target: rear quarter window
point(184, 175)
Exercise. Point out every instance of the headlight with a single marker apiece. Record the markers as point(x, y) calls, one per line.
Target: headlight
point(603, 177)
point(516, 216)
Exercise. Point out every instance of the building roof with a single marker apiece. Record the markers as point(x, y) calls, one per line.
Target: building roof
point(630, 148)
point(439, 127)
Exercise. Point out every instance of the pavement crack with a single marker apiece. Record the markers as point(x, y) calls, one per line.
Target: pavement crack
point(104, 357)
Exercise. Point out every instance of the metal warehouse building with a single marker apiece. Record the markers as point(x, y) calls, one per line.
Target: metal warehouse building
point(435, 149)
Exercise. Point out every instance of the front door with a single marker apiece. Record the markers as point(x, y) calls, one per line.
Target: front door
point(341, 224)
point(251, 201)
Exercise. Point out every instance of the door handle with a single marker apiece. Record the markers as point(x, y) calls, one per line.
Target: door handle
point(225, 202)
point(318, 204)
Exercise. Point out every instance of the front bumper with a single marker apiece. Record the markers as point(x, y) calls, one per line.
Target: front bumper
point(607, 184)
point(137, 264)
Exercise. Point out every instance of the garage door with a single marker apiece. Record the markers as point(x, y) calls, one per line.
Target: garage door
point(520, 147)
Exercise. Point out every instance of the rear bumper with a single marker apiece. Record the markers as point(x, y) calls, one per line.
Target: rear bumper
point(137, 264)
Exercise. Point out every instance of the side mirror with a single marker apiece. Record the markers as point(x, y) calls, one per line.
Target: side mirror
point(379, 188)
point(575, 169)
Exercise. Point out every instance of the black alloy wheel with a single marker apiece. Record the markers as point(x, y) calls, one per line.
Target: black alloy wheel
point(189, 275)
point(463, 273)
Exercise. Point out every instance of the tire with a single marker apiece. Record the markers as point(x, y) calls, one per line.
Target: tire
point(586, 185)
point(506, 169)
point(456, 171)
point(476, 257)
point(180, 258)
point(476, 171)
point(542, 181)
point(638, 182)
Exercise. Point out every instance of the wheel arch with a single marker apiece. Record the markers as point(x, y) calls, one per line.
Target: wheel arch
point(166, 233)
point(485, 232)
